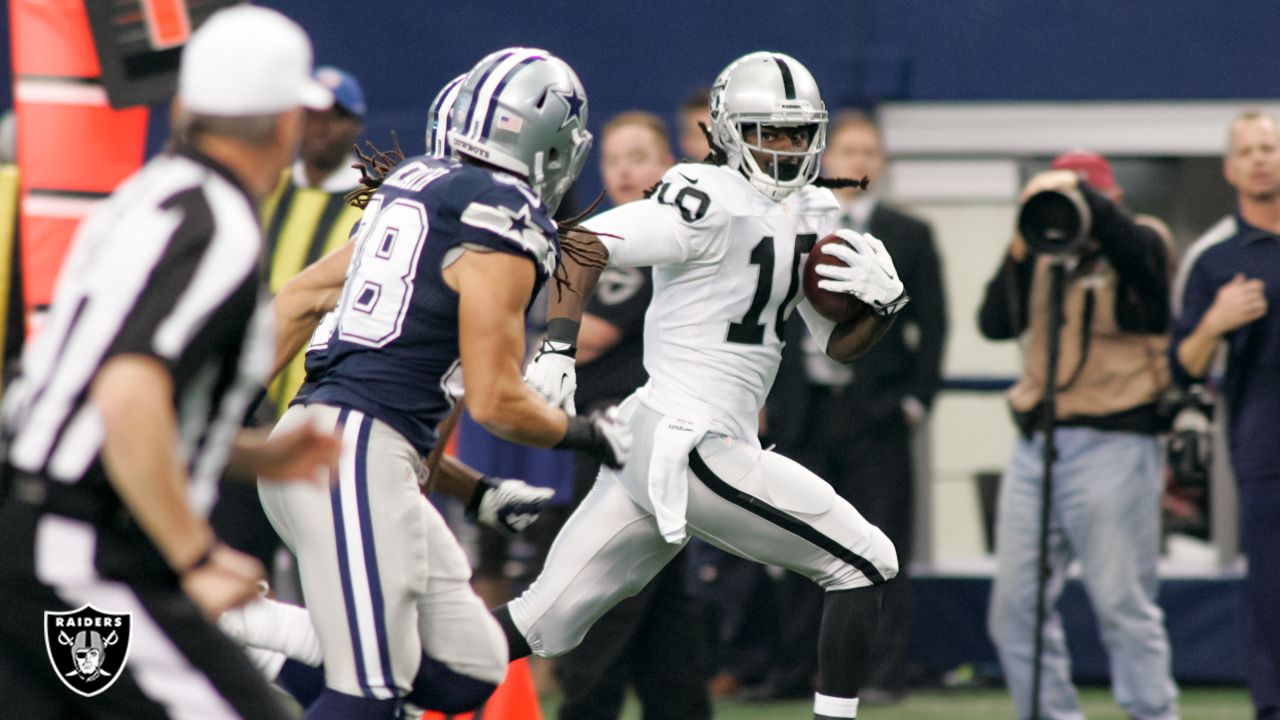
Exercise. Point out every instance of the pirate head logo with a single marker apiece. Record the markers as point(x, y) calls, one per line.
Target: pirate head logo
point(88, 647)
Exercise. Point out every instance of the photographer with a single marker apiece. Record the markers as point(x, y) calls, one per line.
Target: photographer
point(1107, 475)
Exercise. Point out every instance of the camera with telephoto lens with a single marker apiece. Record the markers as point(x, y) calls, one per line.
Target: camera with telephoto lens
point(1190, 451)
point(1055, 222)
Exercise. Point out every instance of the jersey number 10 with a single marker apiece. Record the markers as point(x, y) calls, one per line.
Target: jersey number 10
point(750, 331)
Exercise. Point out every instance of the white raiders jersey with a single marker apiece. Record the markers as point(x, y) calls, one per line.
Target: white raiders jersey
point(727, 265)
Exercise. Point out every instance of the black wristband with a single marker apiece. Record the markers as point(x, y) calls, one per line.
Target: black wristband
point(483, 485)
point(892, 308)
point(563, 330)
point(204, 559)
point(579, 435)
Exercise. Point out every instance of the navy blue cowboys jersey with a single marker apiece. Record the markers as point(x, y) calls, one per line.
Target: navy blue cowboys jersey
point(390, 348)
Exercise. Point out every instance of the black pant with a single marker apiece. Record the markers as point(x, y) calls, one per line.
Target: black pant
point(653, 640)
point(869, 464)
point(177, 661)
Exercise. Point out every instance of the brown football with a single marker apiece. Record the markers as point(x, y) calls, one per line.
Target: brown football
point(836, 307)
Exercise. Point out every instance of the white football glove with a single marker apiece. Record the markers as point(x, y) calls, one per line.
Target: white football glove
point(510, 506)
point(868, 274)
point(552, 375)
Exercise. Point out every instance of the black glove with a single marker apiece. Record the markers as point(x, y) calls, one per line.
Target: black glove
point(601, 434)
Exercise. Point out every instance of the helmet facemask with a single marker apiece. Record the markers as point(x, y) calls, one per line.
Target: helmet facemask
point(783, 166)
point(784, 171)
point(553, 174)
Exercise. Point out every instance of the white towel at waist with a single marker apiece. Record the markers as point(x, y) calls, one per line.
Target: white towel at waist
point(668, 482)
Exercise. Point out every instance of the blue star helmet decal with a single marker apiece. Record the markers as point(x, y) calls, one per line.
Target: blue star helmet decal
point(574, 103)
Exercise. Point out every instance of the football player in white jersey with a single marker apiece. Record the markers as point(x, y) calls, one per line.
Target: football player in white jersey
point(727, 241)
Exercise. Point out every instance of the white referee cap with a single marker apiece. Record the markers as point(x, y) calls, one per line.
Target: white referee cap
point(247, 60)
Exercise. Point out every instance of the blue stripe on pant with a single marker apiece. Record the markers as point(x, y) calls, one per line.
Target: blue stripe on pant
point(366, 555)
point(344, 568)
point(370, 552)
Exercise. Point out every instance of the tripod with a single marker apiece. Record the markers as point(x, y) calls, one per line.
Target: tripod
point(1049, 422)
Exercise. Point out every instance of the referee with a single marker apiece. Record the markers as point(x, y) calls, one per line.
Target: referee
point(130, 405)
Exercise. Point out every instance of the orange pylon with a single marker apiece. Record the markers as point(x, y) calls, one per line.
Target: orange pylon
point(515, 699)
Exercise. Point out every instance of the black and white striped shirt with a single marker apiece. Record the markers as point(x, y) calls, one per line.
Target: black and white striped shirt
point(166, 268)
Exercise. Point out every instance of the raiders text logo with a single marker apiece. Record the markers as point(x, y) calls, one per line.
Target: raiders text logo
point(87, 647)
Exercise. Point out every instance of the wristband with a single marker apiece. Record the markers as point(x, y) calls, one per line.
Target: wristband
point(563, 330)
point(580, 434)
point(204, 559)
point(483, 485)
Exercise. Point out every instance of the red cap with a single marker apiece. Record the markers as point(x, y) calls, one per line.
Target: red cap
point(1095, 168)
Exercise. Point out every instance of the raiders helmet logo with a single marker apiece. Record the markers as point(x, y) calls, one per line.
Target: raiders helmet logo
point(87, 647)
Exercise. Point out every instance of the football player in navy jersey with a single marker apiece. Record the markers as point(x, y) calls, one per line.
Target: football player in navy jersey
point(446, 260)
point(280, 637)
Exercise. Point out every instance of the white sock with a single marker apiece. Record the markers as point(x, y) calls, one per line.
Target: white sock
point(273, 625)
point(826, 706)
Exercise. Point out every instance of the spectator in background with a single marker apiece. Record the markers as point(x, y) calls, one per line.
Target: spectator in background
point(651, 640)
point(1108, 475)
point(880, 400)
point(307, 216)
point(1224, 291)
point(304, 218)
point(695, 109)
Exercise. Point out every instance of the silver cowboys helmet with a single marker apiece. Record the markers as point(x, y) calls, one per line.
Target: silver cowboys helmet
point(769, 89)
point(524, 110)
point(438, 125)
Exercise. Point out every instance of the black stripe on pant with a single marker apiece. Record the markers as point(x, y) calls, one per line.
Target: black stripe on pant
point(765, 511)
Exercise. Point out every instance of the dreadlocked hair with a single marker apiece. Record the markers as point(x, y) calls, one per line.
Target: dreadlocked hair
point(580, 245)
point(835, 183)
point(717, 156)
point(374, 166)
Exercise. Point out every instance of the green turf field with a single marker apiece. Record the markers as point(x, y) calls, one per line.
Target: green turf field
point(1197, 704)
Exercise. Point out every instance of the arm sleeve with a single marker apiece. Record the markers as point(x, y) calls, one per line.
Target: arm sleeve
point(641, 234)
point(928, 311)
point(1003, 315)
point(201, 287)
point(1141, 260)
point(1198, 294)
point(678, 223)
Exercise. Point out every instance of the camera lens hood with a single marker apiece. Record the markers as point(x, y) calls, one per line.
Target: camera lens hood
point(1055, 222)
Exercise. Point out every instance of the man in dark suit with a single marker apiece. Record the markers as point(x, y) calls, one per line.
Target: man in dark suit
point(853, 424)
